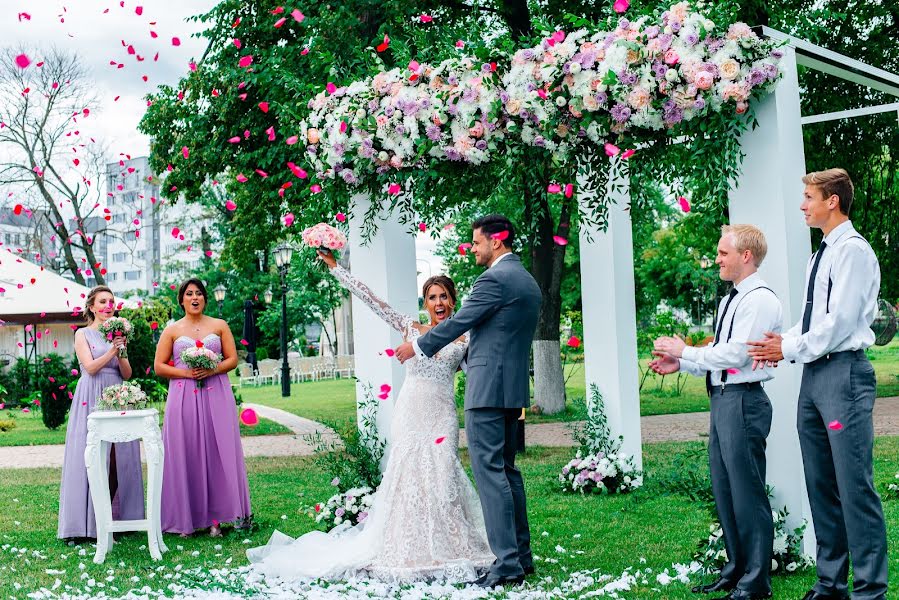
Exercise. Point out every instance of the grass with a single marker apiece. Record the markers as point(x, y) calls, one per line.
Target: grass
point(30, 430)
point(606, 533)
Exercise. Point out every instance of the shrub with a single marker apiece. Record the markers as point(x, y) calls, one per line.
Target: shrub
point(55, 378)
point(7, 424)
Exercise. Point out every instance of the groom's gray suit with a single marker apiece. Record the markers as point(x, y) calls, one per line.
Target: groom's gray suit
point(501, 314)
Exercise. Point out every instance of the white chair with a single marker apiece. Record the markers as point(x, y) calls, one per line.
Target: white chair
point(268, 371)
point(104, 427)
point(246, 374)
point(345, 365)
point(307, 369)
point(325, 367)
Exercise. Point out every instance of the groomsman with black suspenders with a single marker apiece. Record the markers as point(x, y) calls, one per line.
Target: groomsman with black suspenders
point(836, 399)
point(740, 413)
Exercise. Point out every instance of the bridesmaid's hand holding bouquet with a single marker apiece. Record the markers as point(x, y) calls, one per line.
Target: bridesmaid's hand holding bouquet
point(200, 357)
point(114, 327)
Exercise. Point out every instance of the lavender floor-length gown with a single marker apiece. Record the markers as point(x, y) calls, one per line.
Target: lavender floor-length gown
point(204, 477)
point(76, 510)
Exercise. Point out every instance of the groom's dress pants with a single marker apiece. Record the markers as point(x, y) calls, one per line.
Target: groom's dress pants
point(492, 442)
point(836, 434)
point(740, 423)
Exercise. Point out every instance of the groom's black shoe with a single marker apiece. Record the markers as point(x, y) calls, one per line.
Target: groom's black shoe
point(738, 594)
point(813, 595)
point(529, 570)
point(491, 580)
point(722, 585)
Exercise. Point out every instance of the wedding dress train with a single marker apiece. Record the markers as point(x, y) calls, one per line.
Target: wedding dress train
point(425, 522)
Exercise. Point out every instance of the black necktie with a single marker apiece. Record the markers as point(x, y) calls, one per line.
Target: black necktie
point(708, 374)
point(810, 293)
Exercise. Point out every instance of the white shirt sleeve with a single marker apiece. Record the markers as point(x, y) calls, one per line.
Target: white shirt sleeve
point(851, 273)
point(756, 314)
point(688, 366)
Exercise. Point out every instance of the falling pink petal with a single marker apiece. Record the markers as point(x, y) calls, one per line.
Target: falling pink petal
point(621, 6)
point(280, 22)
point(248, 417)
point(425, 18)
point(297, 15)
point(244, 342)
point(574, 342)
point(235, 139)
point(559, 36)
point(381, 396)
point(611, 149)
point(139, 10)
point(22, 61)
point(733, 371)
point(390, 352)
point(271, 133)
point(175, 232)
point(263, 106)
point(297, 170)
point(835, 425)
point(342, 127)
point(569, 190)
point(684, 204)
point(292, 140)
point(553, 188)
point(463, 248)
point(440, 439)
point(241, 178)
point(245, 61)
point(237, 43)
point(501, 235)
point(628, 153)
point(185, 151)
point(176, 41)
point(393, 189)
point(340, 217)
point(230, 205)
point(288, 219)
point(385, 387)
point(558, 239)
point(331, 88)
point(315, 188)
point(422, 227)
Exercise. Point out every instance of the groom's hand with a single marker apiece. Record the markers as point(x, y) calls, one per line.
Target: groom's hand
point(404, 352)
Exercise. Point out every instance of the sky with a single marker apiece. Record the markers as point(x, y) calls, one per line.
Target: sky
point(95, 30)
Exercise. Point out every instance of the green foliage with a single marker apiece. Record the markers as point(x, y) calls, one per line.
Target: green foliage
point(688, 476)
point(142, 342)
point(55, 382)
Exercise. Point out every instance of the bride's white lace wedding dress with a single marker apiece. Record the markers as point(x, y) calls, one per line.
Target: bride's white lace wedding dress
point(426, 521)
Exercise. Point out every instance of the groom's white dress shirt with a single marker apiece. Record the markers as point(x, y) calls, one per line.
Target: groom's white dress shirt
point(748, 317)
point(843, 321)
point(421, 354)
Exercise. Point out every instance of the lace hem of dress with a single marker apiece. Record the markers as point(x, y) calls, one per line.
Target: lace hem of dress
point(463, 571)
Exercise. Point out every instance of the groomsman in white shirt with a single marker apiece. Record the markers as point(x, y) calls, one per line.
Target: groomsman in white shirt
point(836, 399)
point(740, 412)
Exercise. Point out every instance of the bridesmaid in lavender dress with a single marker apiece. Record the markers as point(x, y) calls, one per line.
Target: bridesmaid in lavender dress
point(100, 368)
point(204, 479)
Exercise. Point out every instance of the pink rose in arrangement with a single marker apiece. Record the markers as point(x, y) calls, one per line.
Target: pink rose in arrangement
point(324, 236)
point(704, 80)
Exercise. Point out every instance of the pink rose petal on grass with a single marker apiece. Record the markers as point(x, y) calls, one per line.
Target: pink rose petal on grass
point(835, 425)
point(684, 204)
point(22, 61)
point(621, 6)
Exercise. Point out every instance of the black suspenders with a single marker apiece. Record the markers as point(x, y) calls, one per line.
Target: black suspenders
point(733, 317)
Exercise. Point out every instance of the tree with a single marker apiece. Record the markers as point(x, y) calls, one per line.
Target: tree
point(42, 152)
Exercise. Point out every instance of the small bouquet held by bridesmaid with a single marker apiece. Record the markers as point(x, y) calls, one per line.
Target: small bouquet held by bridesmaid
point(200, 357)
point(117, 327)
point(124, 396)
point(324, 237)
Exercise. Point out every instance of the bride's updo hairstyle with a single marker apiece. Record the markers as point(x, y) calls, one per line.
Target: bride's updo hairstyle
point(443, 281)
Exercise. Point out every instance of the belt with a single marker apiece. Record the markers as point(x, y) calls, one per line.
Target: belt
point(750, 385)
point(833, 356)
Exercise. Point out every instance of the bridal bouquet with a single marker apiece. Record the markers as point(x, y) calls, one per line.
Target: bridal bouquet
point(116, 327)
point(345, 509)
point(324, 237)
point(124, 396)
point(200, 357)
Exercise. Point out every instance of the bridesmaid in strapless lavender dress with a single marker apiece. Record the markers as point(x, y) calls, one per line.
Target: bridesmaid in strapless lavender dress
point(204, 478)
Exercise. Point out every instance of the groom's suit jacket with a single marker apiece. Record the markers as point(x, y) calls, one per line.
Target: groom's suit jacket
point(501, 315)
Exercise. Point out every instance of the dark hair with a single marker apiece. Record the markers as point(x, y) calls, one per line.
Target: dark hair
point(490, 225)
point(444, 282)
point(183, 288)
point(89, 302)
point(833, 182)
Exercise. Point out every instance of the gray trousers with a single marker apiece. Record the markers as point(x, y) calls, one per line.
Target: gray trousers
point(492, 441)
point(836, 433)
point(740, 423)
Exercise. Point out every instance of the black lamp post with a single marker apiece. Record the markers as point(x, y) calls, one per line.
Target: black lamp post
point(283, 253)
point(219, 293)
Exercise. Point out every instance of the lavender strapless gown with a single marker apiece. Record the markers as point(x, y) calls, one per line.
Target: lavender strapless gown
point(204, 478)
point(76, 510)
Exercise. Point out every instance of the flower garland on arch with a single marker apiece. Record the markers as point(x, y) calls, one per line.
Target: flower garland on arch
point(574, 90)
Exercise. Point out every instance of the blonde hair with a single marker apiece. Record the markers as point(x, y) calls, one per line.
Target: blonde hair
point(91, 298)
point(833, 182)
point(748, 237)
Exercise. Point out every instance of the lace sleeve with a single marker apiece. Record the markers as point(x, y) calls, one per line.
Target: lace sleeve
point(388, 314)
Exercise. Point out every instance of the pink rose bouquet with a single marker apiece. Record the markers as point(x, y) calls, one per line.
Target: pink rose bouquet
point(200, 357)
point(114, 327)
point(324, 237)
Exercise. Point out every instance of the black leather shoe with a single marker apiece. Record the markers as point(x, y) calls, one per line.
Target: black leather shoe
point(813, 595)
point(492, 580)
point(529, 570)
point(722, 585)
point(738, 594)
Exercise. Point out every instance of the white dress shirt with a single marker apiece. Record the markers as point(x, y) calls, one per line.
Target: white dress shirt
point(421, 354)
point(749, 316)
point(843, 322)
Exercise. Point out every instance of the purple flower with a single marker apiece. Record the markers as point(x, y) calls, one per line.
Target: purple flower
point(528, 54)
point(469, 95)
point(530, 86)
point(452, 80)
point(621, 113)
point(627, 77)
point(651, 32)
point(699, 104)
point(389, 111)
point(715, 46)
point(339, 149)
point(372, 105)
point(452, 109)
point(539, 141)
point(433, 132)
point(486, 68)
point(771, 71)
point(340, 512)
point(312, 149)
point(624, 23)
point(481, 145)
point(566, 68)
point(601, 97)
point(756, 76)
point(367, 151)
point(452, 154)
point(349, 177)
point(504, 96)
point(777, 53)
point(362, 516)
point(675, 27)
point(665, 40)
point(522, 114)
point(692, 38)
point(380, 170)
point(399, 129)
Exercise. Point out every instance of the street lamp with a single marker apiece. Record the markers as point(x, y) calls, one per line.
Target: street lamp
point(219, 293)
point(283, 254)
point(267, 295)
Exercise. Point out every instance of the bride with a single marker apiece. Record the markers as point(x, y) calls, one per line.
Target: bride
point(425, 522)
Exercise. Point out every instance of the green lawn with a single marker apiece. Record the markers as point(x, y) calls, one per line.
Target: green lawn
point(606, 533)
point(30, 430)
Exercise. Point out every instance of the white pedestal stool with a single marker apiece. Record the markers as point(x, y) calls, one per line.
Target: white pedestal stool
point(103, 428)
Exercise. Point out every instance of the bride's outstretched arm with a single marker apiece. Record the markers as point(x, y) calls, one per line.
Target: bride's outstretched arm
point(387, 313)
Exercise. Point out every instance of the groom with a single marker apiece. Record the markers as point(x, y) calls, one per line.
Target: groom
point(501, 314)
